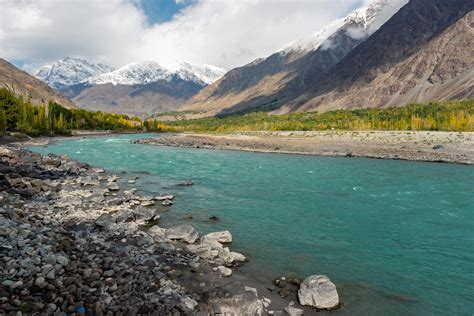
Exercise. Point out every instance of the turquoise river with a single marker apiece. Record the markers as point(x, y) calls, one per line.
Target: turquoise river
point(396, 237)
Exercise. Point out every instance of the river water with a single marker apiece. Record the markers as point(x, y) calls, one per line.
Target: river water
point(396, 237)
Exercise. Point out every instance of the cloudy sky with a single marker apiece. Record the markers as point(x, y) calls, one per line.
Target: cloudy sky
point(225, 33)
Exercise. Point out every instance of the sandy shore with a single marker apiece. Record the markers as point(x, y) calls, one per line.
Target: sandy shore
point(450, 147)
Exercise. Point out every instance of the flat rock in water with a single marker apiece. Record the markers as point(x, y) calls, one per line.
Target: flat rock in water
point(222, 237)
point(318, 291)
point(185, 233)
point(164, 197)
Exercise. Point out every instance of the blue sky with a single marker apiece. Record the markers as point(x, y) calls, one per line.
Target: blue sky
point(159, 11)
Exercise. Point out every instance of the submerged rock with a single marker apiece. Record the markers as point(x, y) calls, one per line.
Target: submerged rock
point(318, 291)
point(166, 203)
point(185, 184)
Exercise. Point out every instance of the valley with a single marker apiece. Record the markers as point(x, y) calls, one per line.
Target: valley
point(236, 157)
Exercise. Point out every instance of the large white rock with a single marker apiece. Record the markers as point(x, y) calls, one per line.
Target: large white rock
point(222, 237)
point(5, 152)
point(225, 272)
point(186, 233)
point(318, 291)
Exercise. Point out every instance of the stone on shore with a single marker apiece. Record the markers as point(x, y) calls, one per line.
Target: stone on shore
point(112, 186)
point(246, 303)
point(186, 233)
point(225, 272)
point(156, 231)
point(5, 152)
point(293, 311)
point(318, 291)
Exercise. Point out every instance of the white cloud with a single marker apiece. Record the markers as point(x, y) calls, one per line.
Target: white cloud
point(225, 33)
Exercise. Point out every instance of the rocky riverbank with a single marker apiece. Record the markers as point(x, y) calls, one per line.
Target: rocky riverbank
point(449, 147)
point(73, 241)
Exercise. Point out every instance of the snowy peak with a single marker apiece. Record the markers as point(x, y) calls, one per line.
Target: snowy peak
point(132, 74)
point(359, 24)
point(365, 21)
point(188, 71)
point(69, 71)
point(149, 71)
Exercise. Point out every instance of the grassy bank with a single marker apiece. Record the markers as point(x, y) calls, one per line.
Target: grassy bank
point(436, 116)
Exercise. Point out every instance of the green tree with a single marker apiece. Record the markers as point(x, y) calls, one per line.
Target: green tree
point(3, 122)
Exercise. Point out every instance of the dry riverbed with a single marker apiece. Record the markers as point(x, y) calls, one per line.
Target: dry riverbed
point(75, 240)
point(451, 147)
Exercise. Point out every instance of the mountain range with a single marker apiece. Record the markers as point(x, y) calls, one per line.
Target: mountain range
point(390, 53)
point(138, 88)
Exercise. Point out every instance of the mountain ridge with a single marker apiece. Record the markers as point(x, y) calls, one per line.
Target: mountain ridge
point(69, 71)
point(24, 84)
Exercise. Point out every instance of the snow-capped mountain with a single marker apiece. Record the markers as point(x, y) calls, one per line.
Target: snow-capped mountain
point(139, 88)
point(205, 73)
point(69, 71)
point(147, 72)
point(359, 24)
point(132, 74)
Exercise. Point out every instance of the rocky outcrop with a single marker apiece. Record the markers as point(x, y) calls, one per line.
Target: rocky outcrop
point(319, 292)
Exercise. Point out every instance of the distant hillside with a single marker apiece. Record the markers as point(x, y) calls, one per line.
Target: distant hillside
point(21, 83)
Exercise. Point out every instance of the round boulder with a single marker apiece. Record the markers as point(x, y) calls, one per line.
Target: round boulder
point(318, 291)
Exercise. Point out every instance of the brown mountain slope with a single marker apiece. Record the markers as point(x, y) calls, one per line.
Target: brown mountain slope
point(21, 83)
point(423, 53)
point(139, 100)
point(269, 82)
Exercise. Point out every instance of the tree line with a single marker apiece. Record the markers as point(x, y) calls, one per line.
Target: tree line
point(431, 116)
point(20, 115)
